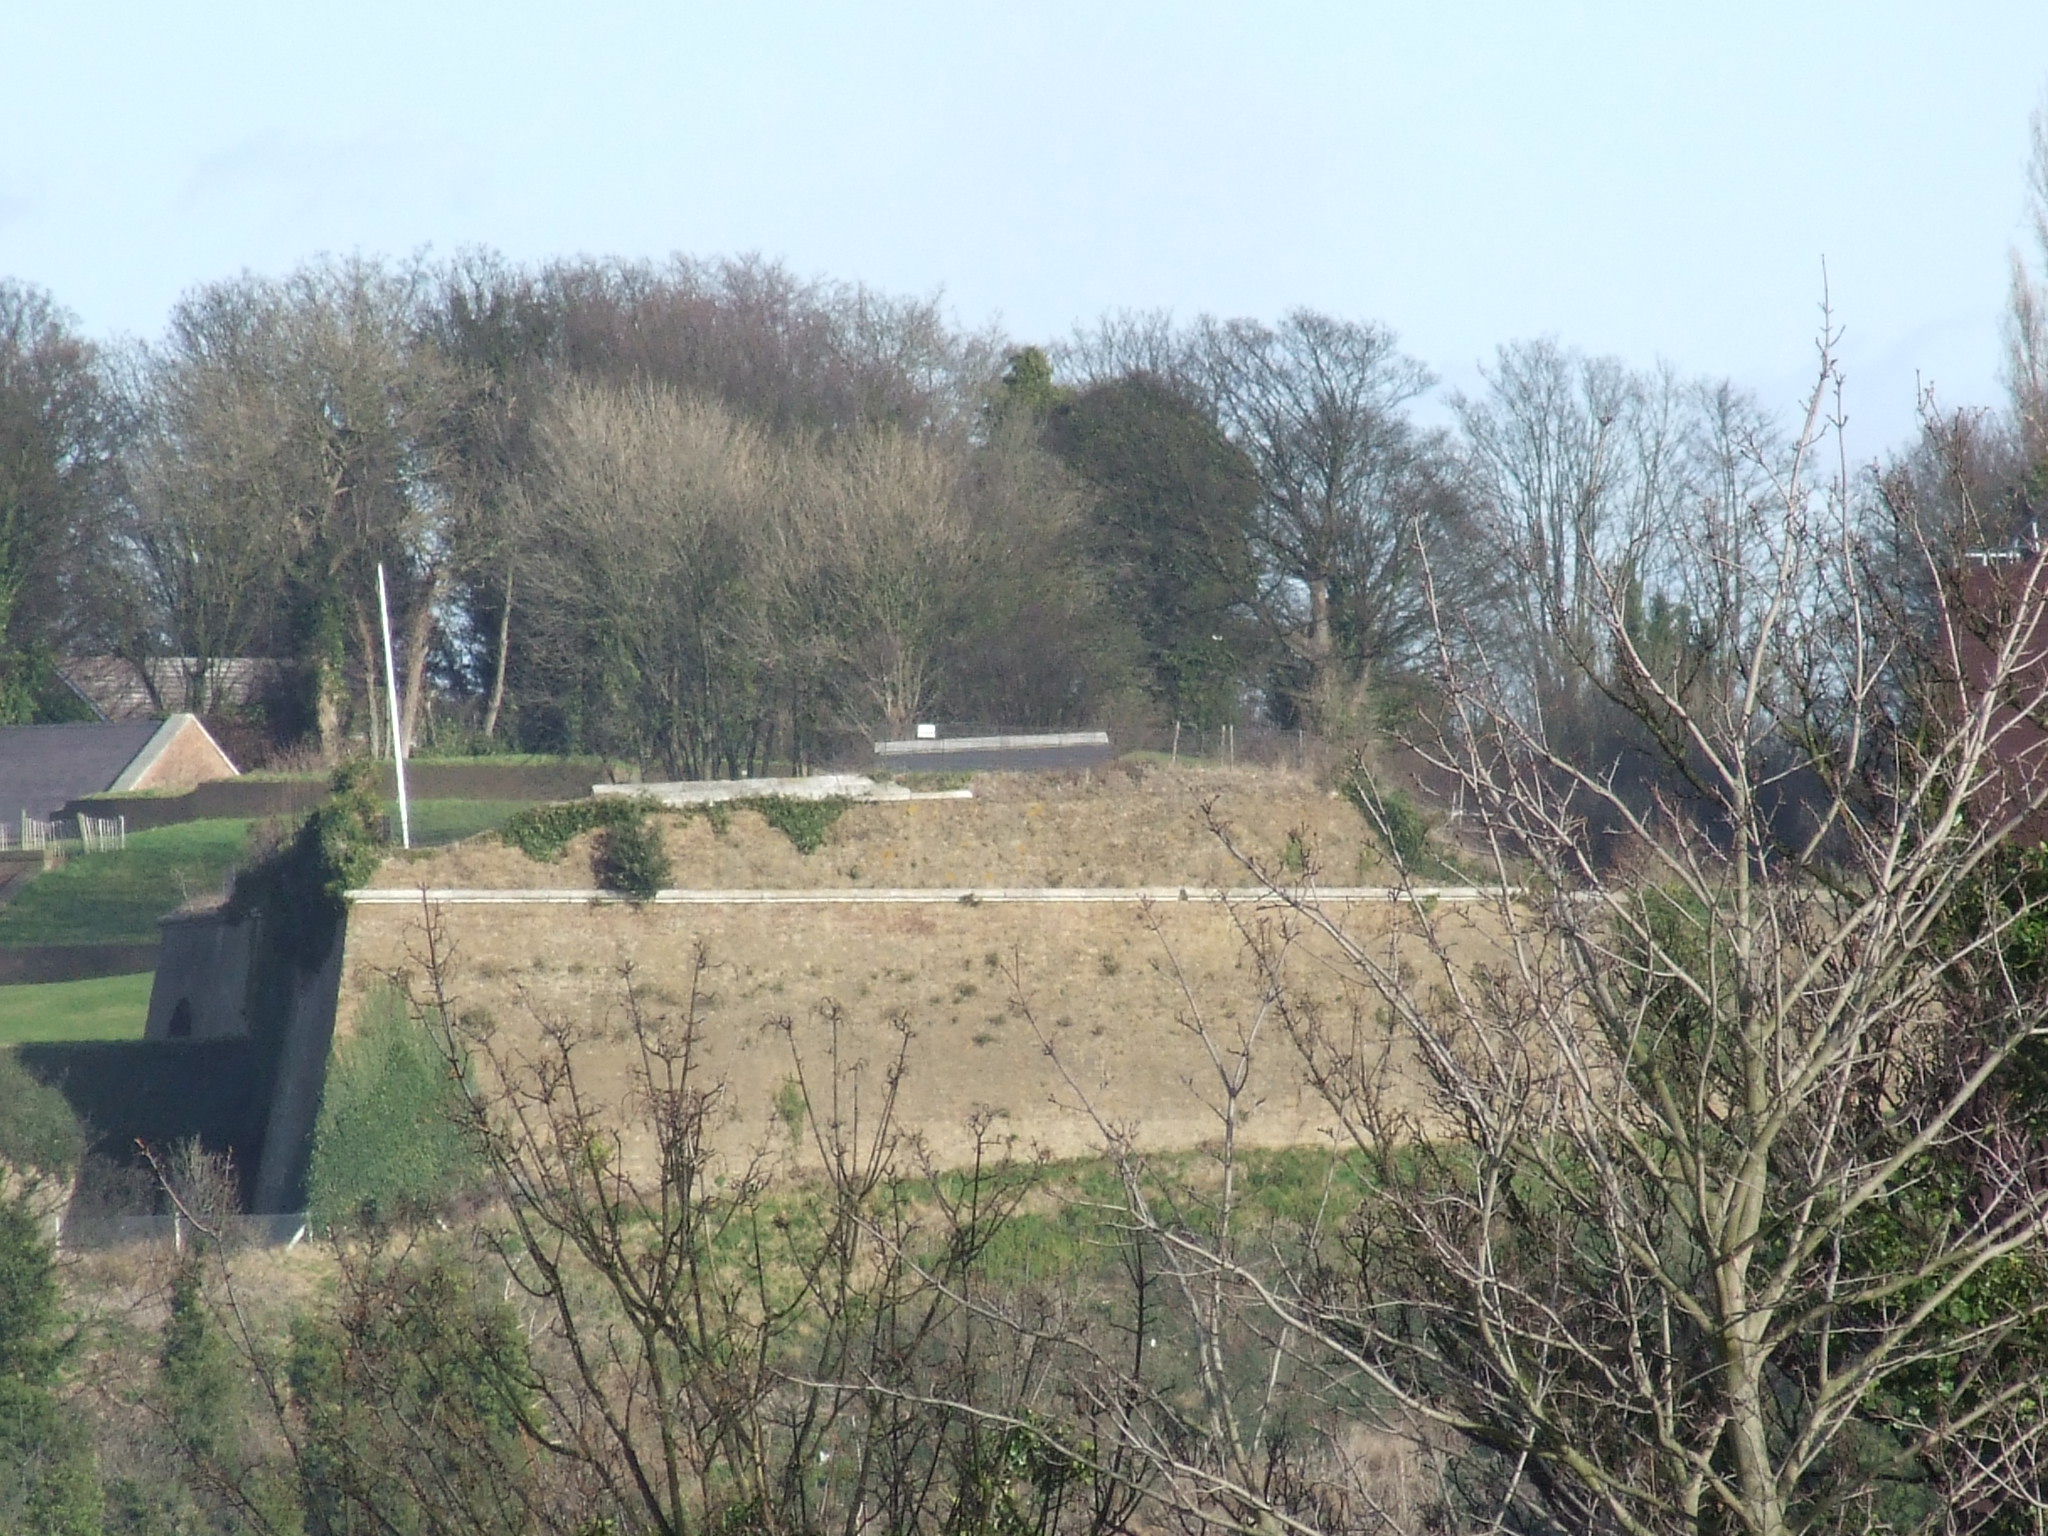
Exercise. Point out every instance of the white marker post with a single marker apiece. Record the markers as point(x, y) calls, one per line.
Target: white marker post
point(391, 690)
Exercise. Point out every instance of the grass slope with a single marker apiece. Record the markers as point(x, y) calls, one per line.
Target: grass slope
point(105, 1008)
point(449, 821)
point(116, 898)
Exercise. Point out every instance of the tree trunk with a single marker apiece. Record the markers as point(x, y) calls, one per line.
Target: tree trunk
point(1319, 650)
point(366, 637)
point(326, 709)
point(418, 629)
point(498, 666)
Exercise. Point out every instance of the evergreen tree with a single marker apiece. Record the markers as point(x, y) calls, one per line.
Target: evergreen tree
point(47, 1480)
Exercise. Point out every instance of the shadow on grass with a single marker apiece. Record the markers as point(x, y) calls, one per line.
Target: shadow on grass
point(160, 1092)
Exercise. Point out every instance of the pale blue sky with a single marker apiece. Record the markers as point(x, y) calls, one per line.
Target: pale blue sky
point(1642, 179)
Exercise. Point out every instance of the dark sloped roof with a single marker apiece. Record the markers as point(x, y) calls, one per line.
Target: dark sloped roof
point(42, 766)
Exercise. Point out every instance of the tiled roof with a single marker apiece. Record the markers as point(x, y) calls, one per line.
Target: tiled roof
point(120, 688)
point(42, 766)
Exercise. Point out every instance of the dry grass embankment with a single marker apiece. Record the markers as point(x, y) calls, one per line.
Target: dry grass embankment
point(1129, 824)
point(1033, 1013)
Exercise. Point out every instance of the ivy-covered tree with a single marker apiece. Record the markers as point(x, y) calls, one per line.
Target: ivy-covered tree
point(59, 569)
point(1171, 530)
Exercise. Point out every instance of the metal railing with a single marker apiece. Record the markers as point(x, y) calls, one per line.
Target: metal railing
point(284, 1230)
point(90, 834)
point(103, 834)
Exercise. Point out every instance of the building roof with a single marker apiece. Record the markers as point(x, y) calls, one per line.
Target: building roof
point(43, 766)
point(119, 688)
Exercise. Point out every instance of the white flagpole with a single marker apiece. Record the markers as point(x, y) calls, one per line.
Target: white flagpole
point(391, 692)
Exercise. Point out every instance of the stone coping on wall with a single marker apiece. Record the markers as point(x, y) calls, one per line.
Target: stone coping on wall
point(817, 786)
point(948, 746)
point(960, 896)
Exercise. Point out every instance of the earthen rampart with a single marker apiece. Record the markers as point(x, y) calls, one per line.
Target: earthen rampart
point(1061, 950)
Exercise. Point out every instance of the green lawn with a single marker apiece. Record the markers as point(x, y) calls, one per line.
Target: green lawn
point(449, 821)
point(116, 898)
point(105, 1008)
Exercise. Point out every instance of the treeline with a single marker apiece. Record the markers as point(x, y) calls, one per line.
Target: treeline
point(706, 515)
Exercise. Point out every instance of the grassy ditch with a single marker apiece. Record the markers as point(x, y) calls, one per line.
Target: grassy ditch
point(104, 1008)
point(1071, 1225)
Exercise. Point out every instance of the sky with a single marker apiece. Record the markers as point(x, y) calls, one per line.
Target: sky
point(1651, 181)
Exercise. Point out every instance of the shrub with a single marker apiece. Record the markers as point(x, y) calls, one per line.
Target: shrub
point(301, 888)
point(541, 832)
point(803, 822)
point(38, 1131)
point(389, 1142)
point(630, 857)
point(1395, 820)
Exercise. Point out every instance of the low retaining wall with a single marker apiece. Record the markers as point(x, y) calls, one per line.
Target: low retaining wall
point(996, 754)
point(817, 786)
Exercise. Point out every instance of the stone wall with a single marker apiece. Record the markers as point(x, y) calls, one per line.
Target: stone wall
point(298, 1077)
point(216, 982)
point(201, 991)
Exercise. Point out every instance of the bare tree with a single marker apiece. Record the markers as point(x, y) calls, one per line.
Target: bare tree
point(495, 323)
point(1351, 490)
point(648, 509)
point(1578, 468)
point(890, 554)
point(1704, 1189)
point(204, 480)
point(1129, 343)
point(789, 355)
point(2027, 320)
point(297, 439)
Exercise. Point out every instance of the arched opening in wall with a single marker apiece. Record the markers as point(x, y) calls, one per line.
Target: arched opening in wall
point(181, 1020)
